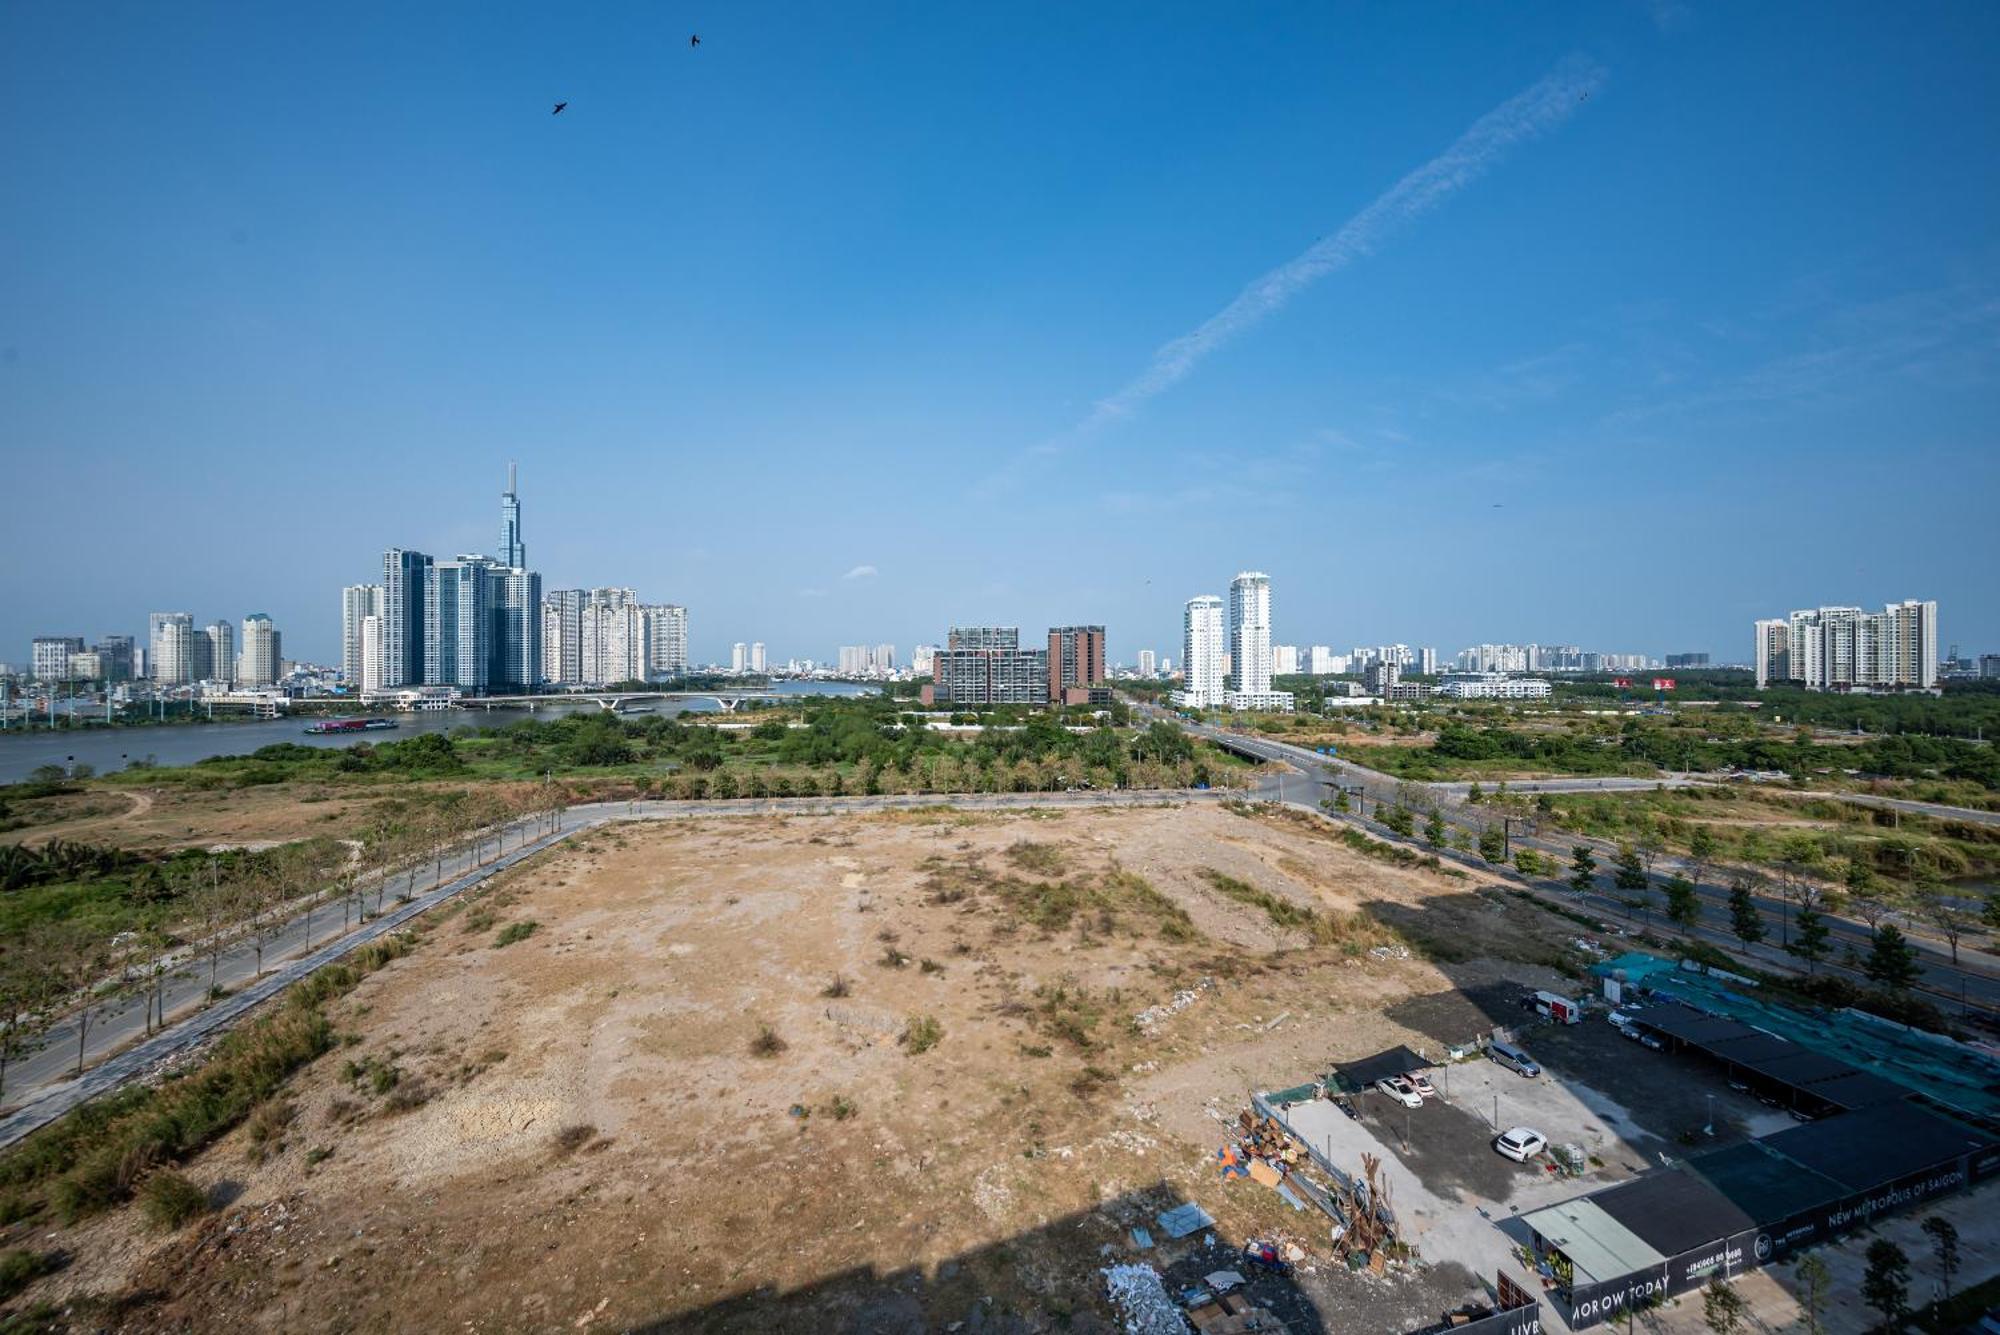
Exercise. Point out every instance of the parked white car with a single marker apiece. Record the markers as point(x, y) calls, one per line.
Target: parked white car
point(1620, 1019)
point(1521, 1144)
point(1422, 1084)
point(1401, 1090)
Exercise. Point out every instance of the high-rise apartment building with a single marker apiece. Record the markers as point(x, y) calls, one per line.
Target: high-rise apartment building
point(1250, 632)
point(1250, 645)
point(263, 651)
point(404, 577)
point(1284, 660)
point(1076, 662)
point(562, 636)
point(739, 657)
point(1427, 662)
point(757, 657)
point(116, 652)
point(458, 623)
point(1201, 653)
point(357, 602)
point(1845, 648)
point(1149, 664)
point(369, 666)
point(49, 656)
point(985, 665)
point(170, 651)
point(665, 626)
point(215, 654)
point(613, 637)
point(921, 659)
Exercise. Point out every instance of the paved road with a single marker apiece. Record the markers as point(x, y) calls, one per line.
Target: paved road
point(1975, 983)
point(1934, 809)
point(116, 1048)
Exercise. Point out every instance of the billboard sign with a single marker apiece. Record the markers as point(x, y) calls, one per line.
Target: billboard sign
point(1663, 683)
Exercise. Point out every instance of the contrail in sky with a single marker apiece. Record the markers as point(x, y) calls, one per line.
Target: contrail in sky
point(1535, 111)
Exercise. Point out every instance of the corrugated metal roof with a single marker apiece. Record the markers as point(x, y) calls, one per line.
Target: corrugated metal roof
point(1598, 1246)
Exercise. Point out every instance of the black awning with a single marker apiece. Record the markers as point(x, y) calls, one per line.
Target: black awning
point(1673, 1211)
point(1869, 1147)
point(1366, 1071)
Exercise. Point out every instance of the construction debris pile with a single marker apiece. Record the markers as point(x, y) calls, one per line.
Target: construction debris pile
point(1363, 1224)
point(1174, 1005)
point(1140, 1298)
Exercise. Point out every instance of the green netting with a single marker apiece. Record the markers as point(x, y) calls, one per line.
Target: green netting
point(1951, 1074)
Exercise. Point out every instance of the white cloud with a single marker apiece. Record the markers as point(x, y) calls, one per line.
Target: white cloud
point(862, 572)
point(1536, 111)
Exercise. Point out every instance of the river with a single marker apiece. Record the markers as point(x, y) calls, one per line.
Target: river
point(108, 749)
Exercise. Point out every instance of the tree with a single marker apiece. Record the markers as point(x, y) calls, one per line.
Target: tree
point(1582, 869)
point(1400, 821)
point(1528, 862)
point(1702, 849)
point(1475, 794)
point(1891, 960)
point(1944, 1246)
point(1744, 919)
point(1886, 1285)
point(1435, 833)
point(1493, 844)
point(27, 991)
point(1683, 904)
point(1813, 1282)
point(1990, 915)
point(1630, 876)
point(1722, 1307)
point(1812, 938)
point(1945, 913)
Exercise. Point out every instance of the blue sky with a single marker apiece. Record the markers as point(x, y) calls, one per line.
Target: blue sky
point(831, 329)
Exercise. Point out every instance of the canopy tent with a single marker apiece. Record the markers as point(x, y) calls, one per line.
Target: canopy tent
point(1366, 1071)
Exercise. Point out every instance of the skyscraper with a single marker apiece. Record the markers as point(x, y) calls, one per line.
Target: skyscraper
point(357, 603)
point(170, 647)
point(514, 597)
point(513, 552)
point(1148, 664)
point(562, 635)
point(262, 651)
point(404, 575)
point(739, 656)
point(1250, 632)
point(757, 657)
point(1201, 653)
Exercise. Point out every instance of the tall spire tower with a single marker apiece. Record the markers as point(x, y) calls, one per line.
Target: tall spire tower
point(513, 552)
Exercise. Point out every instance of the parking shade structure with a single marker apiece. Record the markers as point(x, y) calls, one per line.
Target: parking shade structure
point(1360, 1074)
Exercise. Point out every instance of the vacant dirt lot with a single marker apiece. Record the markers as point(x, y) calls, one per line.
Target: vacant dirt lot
point(816, 1074)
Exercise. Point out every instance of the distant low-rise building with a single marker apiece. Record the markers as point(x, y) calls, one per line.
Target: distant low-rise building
point(1687, 660)
point(1492, 686)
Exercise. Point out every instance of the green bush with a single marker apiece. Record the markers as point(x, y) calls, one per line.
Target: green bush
point(170, 1201)
point(922, 1033)
point(515, 931)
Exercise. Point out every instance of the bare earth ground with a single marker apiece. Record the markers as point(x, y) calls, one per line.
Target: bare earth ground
point(581, 1132)
point(174, 817)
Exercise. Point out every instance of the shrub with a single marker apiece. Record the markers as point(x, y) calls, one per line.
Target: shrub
point(842, 1108)
point(515, 931)
point(20, 1268)
point(893, 958)
point(169, 1200)
point(838, 987)
point(767, 1043)
point(922, 1033)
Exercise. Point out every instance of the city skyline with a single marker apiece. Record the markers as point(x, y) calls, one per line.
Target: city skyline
point(1572, 292)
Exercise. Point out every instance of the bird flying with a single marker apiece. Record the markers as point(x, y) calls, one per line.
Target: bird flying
point(694, 39)
point(558, 110)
